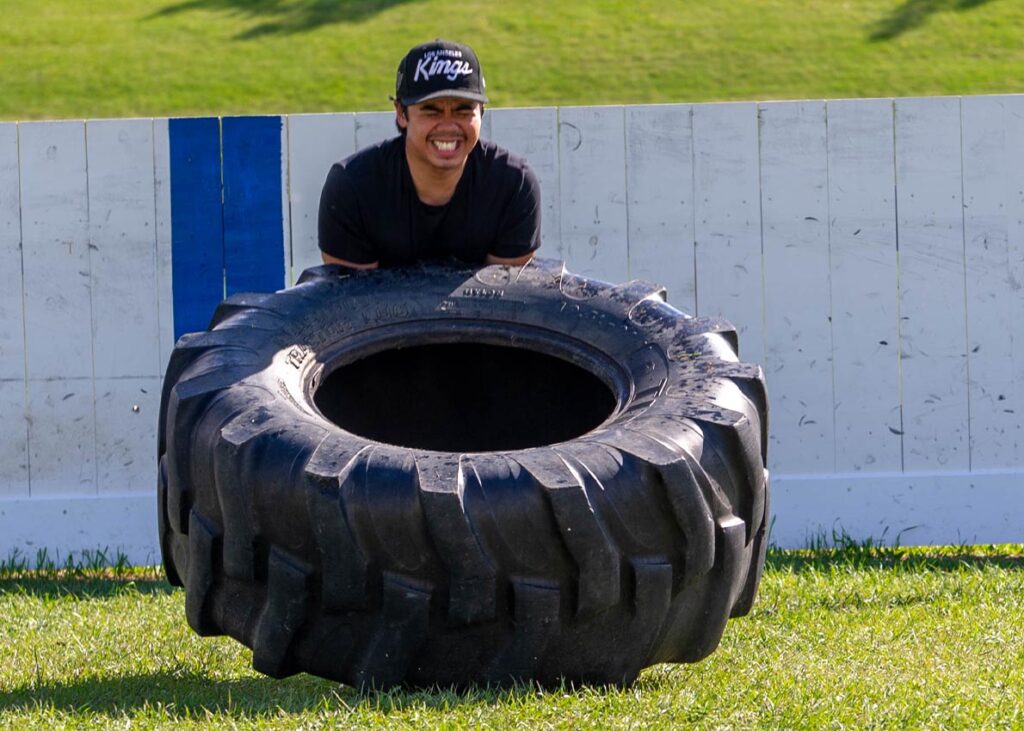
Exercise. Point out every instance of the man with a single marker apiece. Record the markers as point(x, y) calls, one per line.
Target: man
point(437, 190)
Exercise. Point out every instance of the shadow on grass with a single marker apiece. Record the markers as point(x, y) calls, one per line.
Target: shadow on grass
point(177, 694)
point(283, 17)
point(913, 13)
point(186, 695)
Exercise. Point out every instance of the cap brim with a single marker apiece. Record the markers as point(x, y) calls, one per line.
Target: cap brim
point(445, 93)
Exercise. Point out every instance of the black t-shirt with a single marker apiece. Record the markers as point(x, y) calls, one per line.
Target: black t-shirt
point(369, 210)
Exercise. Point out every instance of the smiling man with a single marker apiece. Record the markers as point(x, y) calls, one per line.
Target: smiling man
point(436, 190)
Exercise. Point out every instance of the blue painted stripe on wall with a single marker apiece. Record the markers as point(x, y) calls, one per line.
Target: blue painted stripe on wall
point(253, 219)
point(197, 227)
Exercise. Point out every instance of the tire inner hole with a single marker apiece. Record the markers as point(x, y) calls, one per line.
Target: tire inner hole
point(464, 397)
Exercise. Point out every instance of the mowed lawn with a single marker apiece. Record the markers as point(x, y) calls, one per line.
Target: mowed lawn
point(849, 638)
point(117, 58)
point(852, 638)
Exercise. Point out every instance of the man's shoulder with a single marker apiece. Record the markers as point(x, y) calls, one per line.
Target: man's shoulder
point(493, 155)
point(366, 175)
point(379, 157)
point(496, 164)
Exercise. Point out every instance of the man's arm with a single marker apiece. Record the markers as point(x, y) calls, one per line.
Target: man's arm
point(340, 229)
point(519, 236)
point(328, 259)
point(513, 262)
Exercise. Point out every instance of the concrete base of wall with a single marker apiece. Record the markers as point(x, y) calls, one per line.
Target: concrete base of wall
point(909, 509)
point(916, 509)
point(67, 526)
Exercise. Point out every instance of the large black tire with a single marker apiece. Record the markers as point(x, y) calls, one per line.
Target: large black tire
point(556, 478)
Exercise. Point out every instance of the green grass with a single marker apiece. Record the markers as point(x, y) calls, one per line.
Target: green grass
point(114, 58)
point(855, 637)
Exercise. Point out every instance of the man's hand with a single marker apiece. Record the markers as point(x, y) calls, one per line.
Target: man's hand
point(515, 262)
point(328, 259)
point(491, 259)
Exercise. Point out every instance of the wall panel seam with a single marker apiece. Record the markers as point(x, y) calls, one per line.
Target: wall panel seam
point(24, 315)
point(286, 198)
point(92, 311)
point(693, 211)
point(899, 285)
point(760, 231)
point(156, 244)
point(625, 188)
point(966, 290)
point(831, 294)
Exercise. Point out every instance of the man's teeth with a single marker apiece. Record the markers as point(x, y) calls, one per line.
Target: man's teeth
point(445, 145)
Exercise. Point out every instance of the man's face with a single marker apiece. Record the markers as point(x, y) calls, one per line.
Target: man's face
point(441, 132)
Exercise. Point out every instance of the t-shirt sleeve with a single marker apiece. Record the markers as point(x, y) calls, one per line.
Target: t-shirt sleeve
point(340, 228)
point(519, 232)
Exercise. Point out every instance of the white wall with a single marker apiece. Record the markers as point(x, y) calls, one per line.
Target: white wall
point(870, 251)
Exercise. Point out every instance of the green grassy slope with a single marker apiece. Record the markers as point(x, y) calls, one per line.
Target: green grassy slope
point(853, 638)
point(113, 58)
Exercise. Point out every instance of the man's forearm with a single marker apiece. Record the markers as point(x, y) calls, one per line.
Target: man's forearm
point(513, 262)
point(328, 259)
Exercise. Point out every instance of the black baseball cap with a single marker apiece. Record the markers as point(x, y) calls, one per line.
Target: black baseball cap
point(439, 69)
